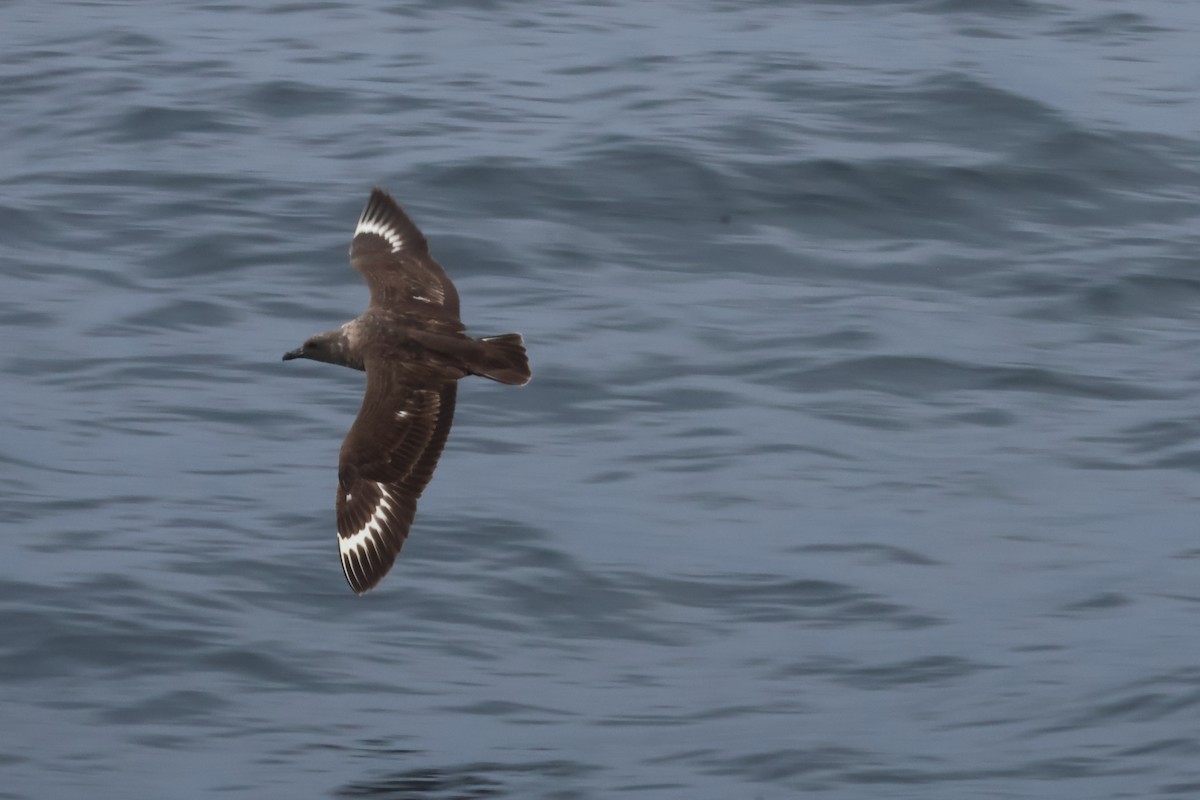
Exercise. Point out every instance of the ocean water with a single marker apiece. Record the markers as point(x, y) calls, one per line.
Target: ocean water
point(861, 459)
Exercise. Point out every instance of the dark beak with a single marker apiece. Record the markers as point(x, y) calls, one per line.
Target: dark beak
point(297, 353)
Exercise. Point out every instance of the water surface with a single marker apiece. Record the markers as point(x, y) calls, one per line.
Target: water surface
point(860, 458)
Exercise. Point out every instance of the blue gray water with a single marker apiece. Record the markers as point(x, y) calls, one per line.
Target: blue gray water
point(861, 458)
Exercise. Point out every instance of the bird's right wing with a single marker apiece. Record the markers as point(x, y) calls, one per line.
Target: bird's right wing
point(393, 256)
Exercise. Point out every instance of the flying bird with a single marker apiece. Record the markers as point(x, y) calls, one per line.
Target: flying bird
point(411, 344)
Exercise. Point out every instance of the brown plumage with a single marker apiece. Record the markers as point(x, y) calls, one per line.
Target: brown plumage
point(411, 344)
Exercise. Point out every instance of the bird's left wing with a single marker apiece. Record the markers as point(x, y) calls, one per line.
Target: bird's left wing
point(386, 461)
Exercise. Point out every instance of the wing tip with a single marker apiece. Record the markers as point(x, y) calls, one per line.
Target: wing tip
point(362, 573)
point(368, 550)
point(382, 216)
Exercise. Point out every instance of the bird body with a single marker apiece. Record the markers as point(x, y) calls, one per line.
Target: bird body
point(411, 344)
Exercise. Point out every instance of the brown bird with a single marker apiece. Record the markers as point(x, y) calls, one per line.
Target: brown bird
point(411, 344)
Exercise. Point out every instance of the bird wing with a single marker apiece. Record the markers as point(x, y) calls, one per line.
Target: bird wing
point(387, 460)
point(392, 254)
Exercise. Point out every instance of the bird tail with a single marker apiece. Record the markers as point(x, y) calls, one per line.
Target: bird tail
point(504, 359)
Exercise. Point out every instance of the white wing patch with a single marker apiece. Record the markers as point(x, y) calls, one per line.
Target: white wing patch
point(430, 293)
point(370, 537)
point(381, 229)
